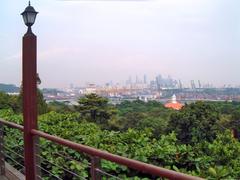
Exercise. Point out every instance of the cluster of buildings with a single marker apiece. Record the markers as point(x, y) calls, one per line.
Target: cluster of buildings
point(159, 89)
point(165, 90)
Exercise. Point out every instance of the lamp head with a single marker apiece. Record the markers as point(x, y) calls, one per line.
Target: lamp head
point(29, 15)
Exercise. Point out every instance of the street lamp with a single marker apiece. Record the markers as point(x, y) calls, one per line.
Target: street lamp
point(29, 85)
point(29, 16)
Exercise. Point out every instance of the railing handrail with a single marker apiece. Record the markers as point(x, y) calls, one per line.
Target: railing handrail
point(134, 164)
point(12, 125)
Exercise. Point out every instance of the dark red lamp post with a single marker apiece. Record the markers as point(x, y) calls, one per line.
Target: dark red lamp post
point(29, 79)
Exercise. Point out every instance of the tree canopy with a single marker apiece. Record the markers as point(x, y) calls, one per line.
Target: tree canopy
point(195, 140)
point(195, 122)
point(95, 108)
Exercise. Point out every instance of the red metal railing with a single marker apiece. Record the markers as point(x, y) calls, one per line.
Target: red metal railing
point(97, 155)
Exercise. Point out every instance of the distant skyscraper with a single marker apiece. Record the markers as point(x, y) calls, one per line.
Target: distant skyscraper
point(199, 84)
point(193, 84)
point(159, 81)
point(137, 80)
point(153, 85)
point(145, 79)
point(129, 81)
point(180, 84)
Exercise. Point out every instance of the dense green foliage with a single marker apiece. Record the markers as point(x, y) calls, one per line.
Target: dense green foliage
point(195, 122)
point(8, 101)
point(196, 140)
point(139, 115)
point(60, 107)
point(230, 114)
point(95, 108)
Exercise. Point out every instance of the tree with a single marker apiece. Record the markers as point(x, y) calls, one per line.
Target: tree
point(234, 123)
point(61, 107)
point(41, 103)
point(129, 120)
point(157, 124)
point(9, 101)
point(195, 122)
point(42, 106)
point(95, 108)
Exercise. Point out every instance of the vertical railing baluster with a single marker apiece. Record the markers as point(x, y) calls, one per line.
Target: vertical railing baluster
point(95, 164)
point(37, 157)
point(2, 160)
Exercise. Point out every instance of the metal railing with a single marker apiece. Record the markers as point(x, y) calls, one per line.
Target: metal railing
point(93, 156)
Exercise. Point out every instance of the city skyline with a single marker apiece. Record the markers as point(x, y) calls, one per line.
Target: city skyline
point(100, 41)
point(163, 81)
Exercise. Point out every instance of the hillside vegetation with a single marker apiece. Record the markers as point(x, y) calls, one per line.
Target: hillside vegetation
point(196, 140)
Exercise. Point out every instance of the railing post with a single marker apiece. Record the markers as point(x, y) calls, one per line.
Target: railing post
point(95, 164)
point(2, 160)
point(29, 101)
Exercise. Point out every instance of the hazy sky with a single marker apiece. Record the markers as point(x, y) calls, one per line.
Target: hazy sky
point(99, 41)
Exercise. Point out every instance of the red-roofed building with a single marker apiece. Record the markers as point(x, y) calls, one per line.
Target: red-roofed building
point(174, 104)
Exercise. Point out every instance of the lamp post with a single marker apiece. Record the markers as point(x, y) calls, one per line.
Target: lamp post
point(29, 80)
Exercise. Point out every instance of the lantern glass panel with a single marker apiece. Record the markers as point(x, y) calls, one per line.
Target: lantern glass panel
point(31, 17)
point(25, 18)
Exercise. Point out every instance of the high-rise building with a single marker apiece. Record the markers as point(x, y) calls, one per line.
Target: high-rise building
point(180, 84)
point(165, 82)
point(129, 81)
point(137, 80)
point(153, 85)
point(145, 79)
point(193, 84)
point(159, 82)
point(199, 84)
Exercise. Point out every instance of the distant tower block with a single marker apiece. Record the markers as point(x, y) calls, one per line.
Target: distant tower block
point(130, 80)
point(180, 84)
point(159, 82)
point(137, 80)
point(145, 79)
point(193, 84)
point(199, 84)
